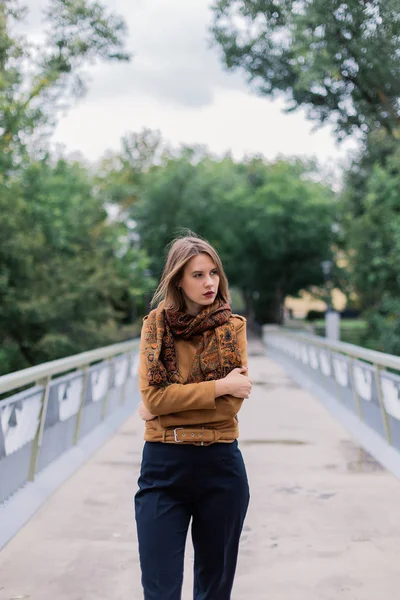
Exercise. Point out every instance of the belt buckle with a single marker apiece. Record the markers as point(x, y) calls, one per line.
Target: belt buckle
point(175, 435)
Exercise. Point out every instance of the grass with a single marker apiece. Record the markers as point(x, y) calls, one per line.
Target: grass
point(347, 324)
point(351, 330)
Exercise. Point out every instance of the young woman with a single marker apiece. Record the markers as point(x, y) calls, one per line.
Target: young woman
point(193, 379)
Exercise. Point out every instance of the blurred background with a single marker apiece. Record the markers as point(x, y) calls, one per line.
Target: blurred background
point(269, 127)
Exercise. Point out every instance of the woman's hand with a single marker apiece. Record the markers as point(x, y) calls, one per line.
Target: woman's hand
point(144, 413)
point(235, 384)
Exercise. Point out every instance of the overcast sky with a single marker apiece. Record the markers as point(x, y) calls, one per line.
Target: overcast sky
point(176, 83)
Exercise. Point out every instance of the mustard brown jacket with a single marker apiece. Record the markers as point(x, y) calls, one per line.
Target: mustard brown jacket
point(190, 413)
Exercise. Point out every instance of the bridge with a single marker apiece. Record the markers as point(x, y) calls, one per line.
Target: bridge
point(320, 436)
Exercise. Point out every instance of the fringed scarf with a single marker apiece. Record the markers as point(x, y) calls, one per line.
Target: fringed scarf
point(217, 352)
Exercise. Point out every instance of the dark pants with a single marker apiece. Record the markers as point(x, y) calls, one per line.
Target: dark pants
point(178, 482)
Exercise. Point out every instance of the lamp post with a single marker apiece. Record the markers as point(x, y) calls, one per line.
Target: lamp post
point(332, 317)
point(326, 266)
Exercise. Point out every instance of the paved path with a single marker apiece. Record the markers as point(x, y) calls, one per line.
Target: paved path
point(323, 522)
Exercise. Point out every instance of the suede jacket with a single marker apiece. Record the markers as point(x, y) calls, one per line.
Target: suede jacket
point(190, 413)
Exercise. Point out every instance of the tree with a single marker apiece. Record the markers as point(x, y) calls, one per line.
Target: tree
point(37, 81)
point(120, 175)
point(338, 59)
point(371, 223)
point(286, 233)
point(68, 273)
point(370, 237)
point(271, 224)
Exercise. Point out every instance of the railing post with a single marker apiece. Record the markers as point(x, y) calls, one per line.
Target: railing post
point(338, 386)
point(386, 424)
point(37, 442)
point(81, 404)
point(355, 393)
point(125, 384)
point(105, 401)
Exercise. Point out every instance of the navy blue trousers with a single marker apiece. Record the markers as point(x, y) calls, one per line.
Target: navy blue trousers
point(179, 483)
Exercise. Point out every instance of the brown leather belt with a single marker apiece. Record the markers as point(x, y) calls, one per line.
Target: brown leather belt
point(186, 435)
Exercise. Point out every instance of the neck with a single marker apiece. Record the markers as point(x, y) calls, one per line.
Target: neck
point(191, 308)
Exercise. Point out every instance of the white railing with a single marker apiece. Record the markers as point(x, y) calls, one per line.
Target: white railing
point(365, 382)
point(60, 402)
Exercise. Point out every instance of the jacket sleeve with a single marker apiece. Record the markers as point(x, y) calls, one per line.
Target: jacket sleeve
point(226, 407)
point(176, 397)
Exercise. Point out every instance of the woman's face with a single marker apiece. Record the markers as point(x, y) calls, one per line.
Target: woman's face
point(199, 283)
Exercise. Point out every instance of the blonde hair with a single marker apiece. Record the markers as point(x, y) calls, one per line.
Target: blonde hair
point(181, 250)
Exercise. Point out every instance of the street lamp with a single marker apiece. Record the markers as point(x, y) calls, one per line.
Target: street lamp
point(332, 318)
point(326, 266)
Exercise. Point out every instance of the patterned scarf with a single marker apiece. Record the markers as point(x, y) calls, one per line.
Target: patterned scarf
point(217, 352)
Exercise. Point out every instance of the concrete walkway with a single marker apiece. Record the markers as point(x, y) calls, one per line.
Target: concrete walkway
point(323, 522)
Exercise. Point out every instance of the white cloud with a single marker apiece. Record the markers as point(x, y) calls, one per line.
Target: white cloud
point(234, 121)
point(176, 83)
point(172, 58)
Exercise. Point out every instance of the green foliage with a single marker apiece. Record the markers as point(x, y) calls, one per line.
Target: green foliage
point(120, 176)
point(338, 59)
point(383, 333)
point(288, 233)
point(271, 223)
point(37, 81)
point(352, 331)
point(68, 275)
point(371, 237)
point(80, 252)
point(371, 224)
point(315, 315)
point(71, 278)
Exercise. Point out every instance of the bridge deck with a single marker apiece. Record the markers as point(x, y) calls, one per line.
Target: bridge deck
point(322, 523)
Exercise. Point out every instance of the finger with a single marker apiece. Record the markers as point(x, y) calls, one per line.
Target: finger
point(237, 370)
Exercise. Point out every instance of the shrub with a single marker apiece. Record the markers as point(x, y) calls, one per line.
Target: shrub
point(314, 315)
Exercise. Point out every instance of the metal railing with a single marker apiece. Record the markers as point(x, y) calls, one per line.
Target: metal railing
point(63, 400)
point(357, 378)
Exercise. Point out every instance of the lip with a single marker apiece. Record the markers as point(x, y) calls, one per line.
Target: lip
point(209, 294)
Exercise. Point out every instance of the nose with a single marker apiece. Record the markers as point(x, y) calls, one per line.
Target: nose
point(209, 282)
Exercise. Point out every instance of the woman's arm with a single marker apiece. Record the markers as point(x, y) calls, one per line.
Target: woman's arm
point(175, 397)
point(226, 406)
